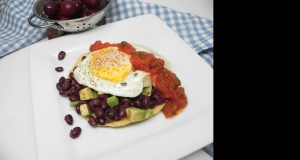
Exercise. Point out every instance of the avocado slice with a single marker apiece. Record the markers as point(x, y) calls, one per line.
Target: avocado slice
point(95, 93)
point(135, 114)
point(84, 110)
point(73, 104)
point(148, 113)
point(147, 91)
point(86, 94)
point(112, 101)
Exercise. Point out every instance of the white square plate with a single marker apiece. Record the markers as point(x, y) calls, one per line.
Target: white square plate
point(156, 138)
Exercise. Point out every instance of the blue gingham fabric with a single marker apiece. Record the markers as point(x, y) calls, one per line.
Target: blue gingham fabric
point(17, 33)
point(194, 30)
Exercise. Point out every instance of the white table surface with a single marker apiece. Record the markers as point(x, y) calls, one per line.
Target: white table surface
point(17, 133)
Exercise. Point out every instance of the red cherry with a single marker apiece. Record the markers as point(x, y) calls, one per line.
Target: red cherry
point(50, 8)
point(78, 7)
point(68, 8)
point(92, 3)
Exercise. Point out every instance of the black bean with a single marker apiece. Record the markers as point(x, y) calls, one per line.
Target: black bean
point(83, 58)
point(74, 92)
point(138, 103)
point(74, 98)
point(91, 105)
point(65, 93)
point(75, 132)
point(153, 90)
point(83, 102)
point(146, 102)
point(66, 86)
point(59, 69)
point(97, 102)
point(59, 86)
point(131, 103)
point(69, 119)
point(77, 108)
point(104, 105)
point(110, 113)
point(101, 120)
point(92, 121)
point(61, 92)
point(152, 103)
point(61, 55)
point(121, 112)
point(116, 117)
point(68, 80)
point(125, 100)
point(71, 75)
point(62, 79)
point(125, 105)
point(68, 93)
point(117, 108)
point(108, 120)
point(103, 96)
point(98, 112)
point(78, 86)
point(139, 97)
point(72, 87)
point(156, 96)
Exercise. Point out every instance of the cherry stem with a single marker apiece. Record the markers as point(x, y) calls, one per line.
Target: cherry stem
point(85, 8)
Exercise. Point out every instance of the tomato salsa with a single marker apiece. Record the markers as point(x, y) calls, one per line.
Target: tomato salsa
point(165, 81)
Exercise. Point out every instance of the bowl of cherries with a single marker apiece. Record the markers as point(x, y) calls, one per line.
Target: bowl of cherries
point(69, 15)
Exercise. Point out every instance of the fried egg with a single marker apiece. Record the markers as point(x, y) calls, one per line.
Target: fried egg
point(109, 71)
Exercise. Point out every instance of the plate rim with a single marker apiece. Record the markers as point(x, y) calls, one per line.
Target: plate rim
point(139, 17)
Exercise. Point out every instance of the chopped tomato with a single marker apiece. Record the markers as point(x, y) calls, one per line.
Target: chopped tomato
point(99, 45)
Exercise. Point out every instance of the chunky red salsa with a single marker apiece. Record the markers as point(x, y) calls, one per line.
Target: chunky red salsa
point(165, 81)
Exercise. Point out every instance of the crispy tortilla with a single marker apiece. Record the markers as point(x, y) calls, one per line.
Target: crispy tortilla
point(123, 121)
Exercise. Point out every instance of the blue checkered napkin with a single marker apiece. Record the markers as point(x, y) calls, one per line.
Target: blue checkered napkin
point(209, 149)
point(15, 31)
point(208, 56)
point(194, 30)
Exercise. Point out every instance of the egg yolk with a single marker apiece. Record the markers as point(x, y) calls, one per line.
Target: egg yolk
point(110, 64)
